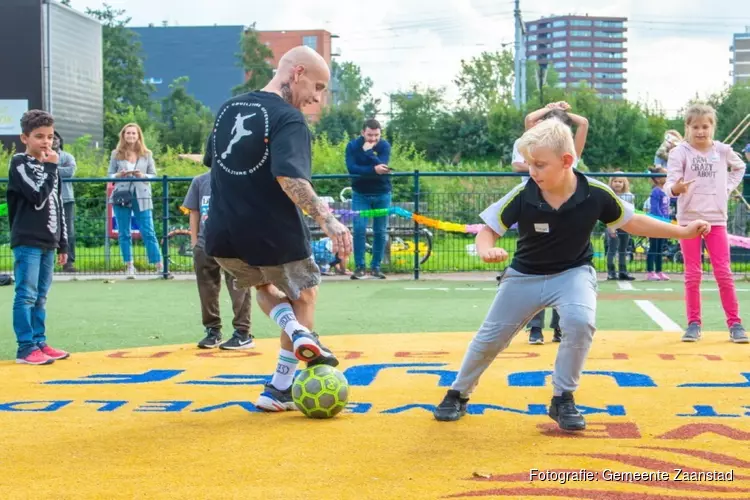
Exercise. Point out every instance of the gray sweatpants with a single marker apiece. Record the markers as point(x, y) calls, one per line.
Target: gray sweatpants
point(519, 297)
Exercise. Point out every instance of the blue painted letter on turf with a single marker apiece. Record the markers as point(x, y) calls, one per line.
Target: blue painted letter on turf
point(707, 411)
point(245, 405)
point(121, 378)
point(363, 375)
point(538, 378)
point(737, 385)
point(50, 405)
point(232, 380)
point(447, 377)
point(107, 405)
point(164, 406)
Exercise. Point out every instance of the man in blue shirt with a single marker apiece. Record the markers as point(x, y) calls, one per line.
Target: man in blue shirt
point(367, 157)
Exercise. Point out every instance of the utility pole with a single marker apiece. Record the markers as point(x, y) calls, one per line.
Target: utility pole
point(520, 58)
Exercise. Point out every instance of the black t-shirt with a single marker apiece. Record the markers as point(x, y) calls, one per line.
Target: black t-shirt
point(552, 241)
point(257, 137)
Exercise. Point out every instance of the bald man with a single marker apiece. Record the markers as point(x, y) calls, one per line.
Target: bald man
point(260, 158)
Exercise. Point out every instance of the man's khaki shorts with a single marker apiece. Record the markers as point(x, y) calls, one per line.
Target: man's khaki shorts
point(291, 278)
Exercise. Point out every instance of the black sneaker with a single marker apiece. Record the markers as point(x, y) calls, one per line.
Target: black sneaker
point(359, 274)
point(211, 340)
point(625, 277)
point(535, 336)
point(693, 333)
point(377, 274)
point(239, 340)
point(273, 399)
point(451, 408)
point(563, 410)
point(308, 348)
point(557, 337)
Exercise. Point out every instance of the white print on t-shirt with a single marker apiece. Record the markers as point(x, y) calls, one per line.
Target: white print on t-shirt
point(239, 132)
point(232, 164)
point(204, 208)
point(39, 176)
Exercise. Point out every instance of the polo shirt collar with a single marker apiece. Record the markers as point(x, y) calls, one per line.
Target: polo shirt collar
point(533, 194)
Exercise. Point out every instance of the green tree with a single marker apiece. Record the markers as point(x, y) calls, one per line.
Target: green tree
point(416, 114)
point(339, 123)
point(350, 88)
point(732, 105)
point(253, 58)
point(124, 76)
point(486, 80)
point(185, 121)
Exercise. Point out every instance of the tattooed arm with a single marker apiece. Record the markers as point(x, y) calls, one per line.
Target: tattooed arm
point(303, 195)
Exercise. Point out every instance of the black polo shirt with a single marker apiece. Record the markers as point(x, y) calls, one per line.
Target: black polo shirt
point(552, 241)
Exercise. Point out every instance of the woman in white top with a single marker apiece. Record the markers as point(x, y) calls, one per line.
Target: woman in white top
point(132, 160)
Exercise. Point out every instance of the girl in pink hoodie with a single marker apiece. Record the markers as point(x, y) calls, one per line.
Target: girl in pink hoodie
point(697, 172)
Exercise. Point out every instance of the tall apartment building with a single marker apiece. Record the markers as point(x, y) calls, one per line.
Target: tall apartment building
point(585, 48)
point(741, 57)
point(207, 56)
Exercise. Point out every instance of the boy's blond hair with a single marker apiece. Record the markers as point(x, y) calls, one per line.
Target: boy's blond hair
point(697, 111)
point(625, 181)
point(552, 134)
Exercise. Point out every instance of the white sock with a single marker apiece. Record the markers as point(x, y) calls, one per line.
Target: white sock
point(284, 374)
point(283, 315)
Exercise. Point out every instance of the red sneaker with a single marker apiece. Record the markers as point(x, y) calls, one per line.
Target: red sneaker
point(55, 353)
point(35, 357)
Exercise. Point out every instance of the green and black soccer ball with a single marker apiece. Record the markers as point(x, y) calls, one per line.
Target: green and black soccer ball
point(320, 392)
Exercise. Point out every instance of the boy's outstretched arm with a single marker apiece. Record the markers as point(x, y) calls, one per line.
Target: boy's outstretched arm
point(643, 225)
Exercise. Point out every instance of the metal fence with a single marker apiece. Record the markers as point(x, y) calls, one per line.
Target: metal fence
point(411, 248)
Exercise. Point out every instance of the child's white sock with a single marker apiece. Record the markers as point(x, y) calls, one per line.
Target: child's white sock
point(283, 315)
point(284, 375)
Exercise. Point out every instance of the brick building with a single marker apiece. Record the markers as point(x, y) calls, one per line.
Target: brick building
point(581, 48)
point(207, 56)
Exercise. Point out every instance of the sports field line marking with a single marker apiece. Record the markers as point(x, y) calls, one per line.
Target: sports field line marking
point(625, 285)
point(657, 316)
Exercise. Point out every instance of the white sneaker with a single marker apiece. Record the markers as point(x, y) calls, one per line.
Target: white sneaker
point(130, 271)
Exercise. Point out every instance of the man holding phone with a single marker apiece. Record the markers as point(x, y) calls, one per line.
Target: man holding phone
point(367, 158)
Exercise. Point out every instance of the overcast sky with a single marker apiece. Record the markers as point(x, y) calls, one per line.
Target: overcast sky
point(675, 49)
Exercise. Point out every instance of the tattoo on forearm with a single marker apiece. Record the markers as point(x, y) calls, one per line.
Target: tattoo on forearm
point(303, 195)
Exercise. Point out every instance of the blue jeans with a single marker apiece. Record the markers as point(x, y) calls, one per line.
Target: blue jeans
point(379, 228)
point(32, 270)
point(146, 226)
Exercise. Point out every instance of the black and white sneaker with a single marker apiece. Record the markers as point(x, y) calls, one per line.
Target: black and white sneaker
point(275, 400)
point(536, 337)
point(563, 411)
point(451, 408)
point(239, 340)
point(309, 348)
point(211, 340)
point(557, 337)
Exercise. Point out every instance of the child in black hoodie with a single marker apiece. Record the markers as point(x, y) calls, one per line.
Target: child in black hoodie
point(37, 230)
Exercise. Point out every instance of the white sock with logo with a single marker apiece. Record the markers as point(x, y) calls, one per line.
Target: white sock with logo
point(283, 315)
point(284, 375)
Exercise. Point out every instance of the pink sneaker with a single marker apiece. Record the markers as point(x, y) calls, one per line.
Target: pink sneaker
point(35, 357)
point(663, 277)
point(55, 353)
point(652, 276)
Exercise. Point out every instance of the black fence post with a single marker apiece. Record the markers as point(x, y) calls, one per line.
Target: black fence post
point(416, 225)
point(165, 227)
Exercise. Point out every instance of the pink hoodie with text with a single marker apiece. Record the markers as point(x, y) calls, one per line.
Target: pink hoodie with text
point(707, 197)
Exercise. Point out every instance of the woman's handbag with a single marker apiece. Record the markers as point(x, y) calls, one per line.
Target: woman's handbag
point(123, 198)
